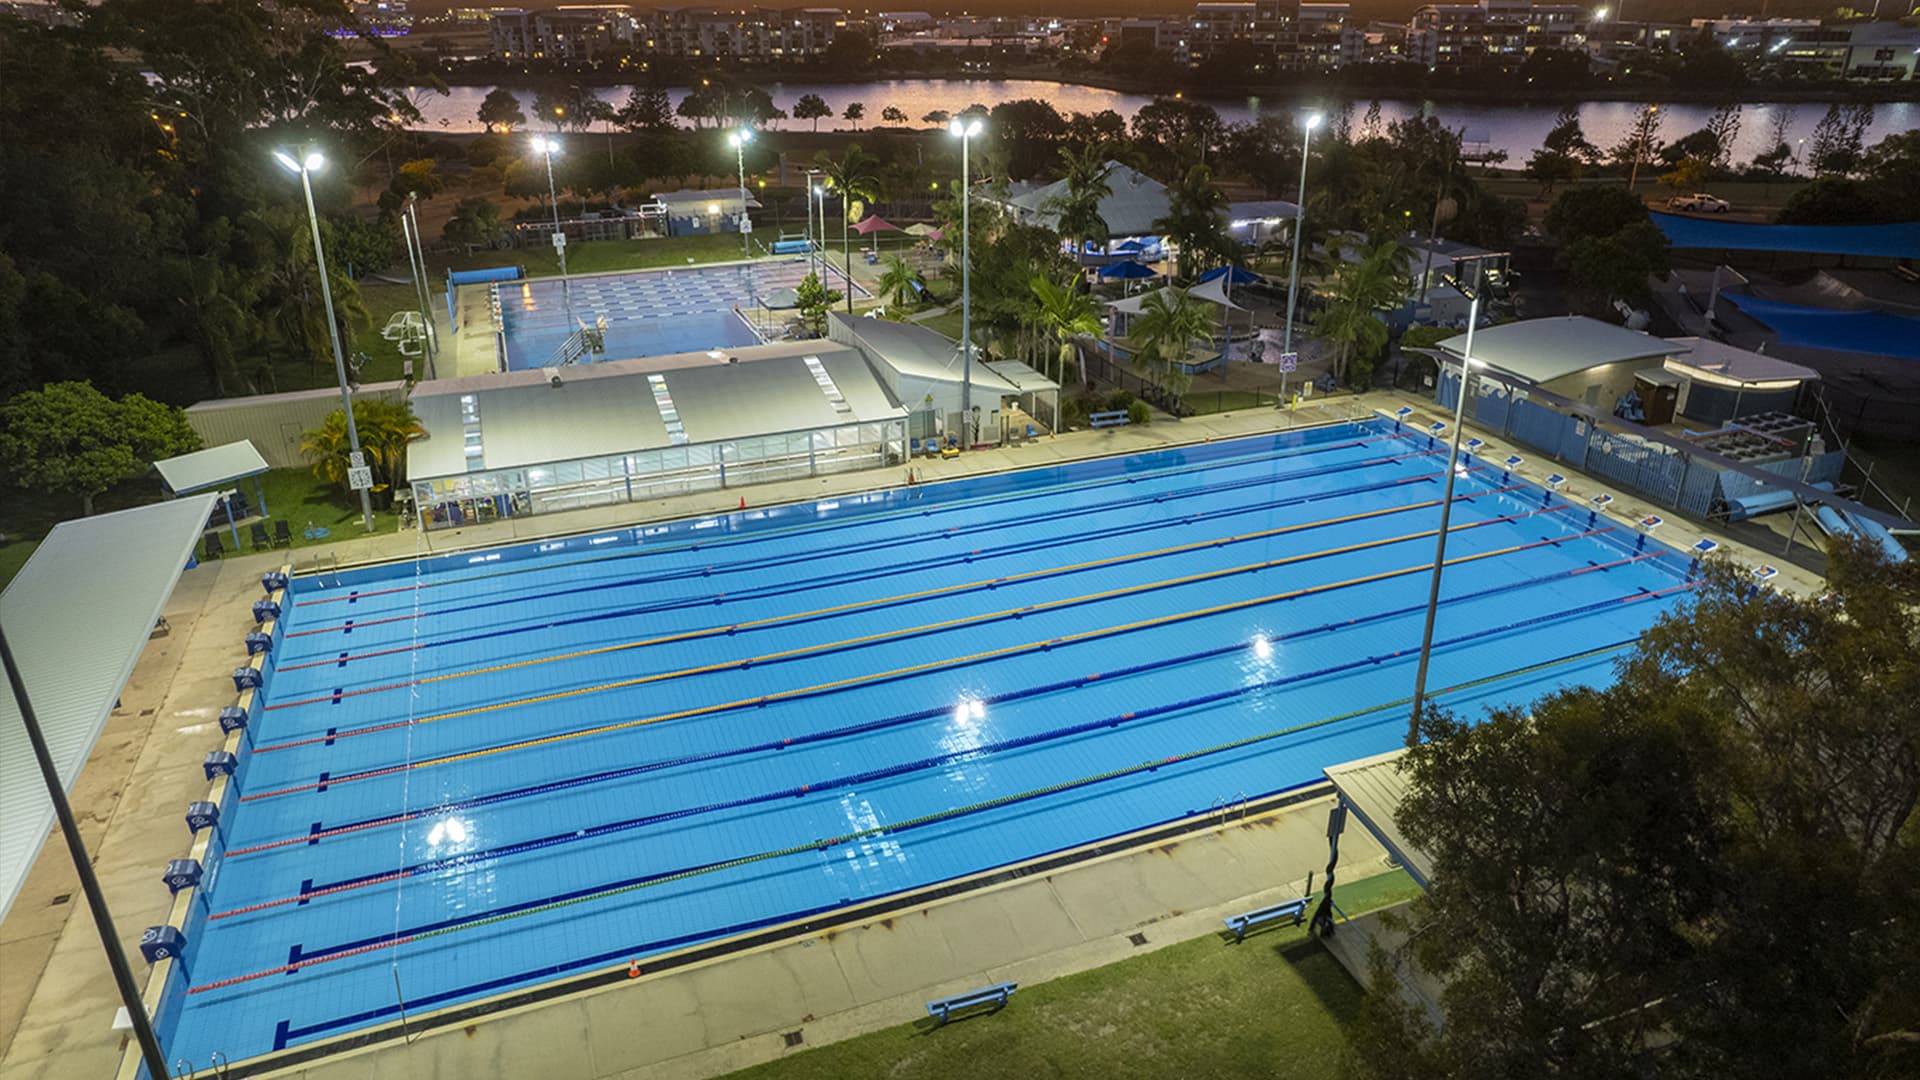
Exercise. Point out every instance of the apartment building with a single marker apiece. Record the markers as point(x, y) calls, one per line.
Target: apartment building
point(577, 34)
point(1458, 33)
point(572, 34)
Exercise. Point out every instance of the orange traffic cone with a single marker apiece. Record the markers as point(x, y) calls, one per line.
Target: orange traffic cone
point(743, 502)
point(633, 969)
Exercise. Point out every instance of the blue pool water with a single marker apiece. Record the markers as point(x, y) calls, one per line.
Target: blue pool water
point(647, 313)
point(481, 772)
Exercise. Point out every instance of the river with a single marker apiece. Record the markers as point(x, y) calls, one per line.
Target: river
point(1517, 129)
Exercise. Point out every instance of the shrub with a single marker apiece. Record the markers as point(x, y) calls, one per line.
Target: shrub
point(1139, 413)
point(1119, 399)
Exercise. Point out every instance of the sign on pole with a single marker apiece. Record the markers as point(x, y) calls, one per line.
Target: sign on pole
point(357, 459)
point(360, 478)
point(1289, 362)
point(559, 241)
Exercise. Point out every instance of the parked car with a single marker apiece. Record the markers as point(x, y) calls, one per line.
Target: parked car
point(1699, 202)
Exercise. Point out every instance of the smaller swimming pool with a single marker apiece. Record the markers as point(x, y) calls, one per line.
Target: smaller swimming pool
point(655, 313)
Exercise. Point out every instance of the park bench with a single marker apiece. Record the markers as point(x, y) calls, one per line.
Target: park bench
point(943, 1009)
point(1108, 419)
point(1293, 910)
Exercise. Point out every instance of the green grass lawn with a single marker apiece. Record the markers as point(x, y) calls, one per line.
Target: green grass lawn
point(595, 256)
point(1273, 1006)
point(947, 323)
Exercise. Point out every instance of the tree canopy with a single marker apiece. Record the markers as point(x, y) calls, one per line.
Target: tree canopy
point(69, 439)
point(1707, 870)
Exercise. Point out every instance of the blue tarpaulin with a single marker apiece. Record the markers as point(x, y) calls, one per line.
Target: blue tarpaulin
point(1901, 241)
point(1827, 328)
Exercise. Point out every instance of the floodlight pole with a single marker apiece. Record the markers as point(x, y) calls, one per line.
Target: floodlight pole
point(410, 232)
point(1446, 517)
point(89, 884)
point(1299, 226)
point(966, 130)
point(333, 331)
point(547, 147)
point(739, 139)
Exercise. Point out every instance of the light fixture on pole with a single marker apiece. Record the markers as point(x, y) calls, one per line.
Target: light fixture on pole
point(819, 195)
point(1307, 124)
point(739, 140)
point(965, 129)
point(306, 166)
point(812, 246)
point(548, 148)
point(1467, 362)
point(417, 271)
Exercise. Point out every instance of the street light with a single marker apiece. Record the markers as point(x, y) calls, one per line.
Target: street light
point(965, 130)
point(1307, 124)
point(812, 184)
point(1467, 362)
point(306, 166)
point(819, 195)
point(547, 148)
point(739, 140)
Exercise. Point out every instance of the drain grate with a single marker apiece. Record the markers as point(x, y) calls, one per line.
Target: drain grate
point(792, 1038)
point(61, 899)
point(1137, 939)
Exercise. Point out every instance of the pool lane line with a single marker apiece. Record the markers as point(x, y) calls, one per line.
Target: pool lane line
point(898, 719)
point(899, 769)
point(834, 686)
point(796, 558)
point(760, 535)
point(889, 569)
point(335, 734)
point(898, 599)
point(665, 877)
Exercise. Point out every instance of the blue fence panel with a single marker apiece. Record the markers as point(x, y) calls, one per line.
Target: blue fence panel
point(1492, 409)
point(1573, 442)
point(1537, 426)
point(1698, 490)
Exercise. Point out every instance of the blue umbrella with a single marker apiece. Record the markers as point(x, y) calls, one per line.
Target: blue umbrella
point(1241, 276)
point(1128, 270)
point(1131, 244)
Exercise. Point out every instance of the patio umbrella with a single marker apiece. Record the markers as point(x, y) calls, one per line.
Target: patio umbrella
point(874, 224)
point(921, 229)
point(1241, 275)
point(1129, 246)
point(1127, 271)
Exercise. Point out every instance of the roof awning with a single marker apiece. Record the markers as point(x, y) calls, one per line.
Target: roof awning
point(1214, 292)
point(212, 467)
point(1372, 790)
point(77, 617)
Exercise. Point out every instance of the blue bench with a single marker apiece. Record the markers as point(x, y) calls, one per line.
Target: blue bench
point(791, 247)
point(1238, 925)
point(996, 995)
point(1108, 419)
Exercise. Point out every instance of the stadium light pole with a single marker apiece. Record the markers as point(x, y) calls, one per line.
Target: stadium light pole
point(739, 140)
point(305, 166)
point(1307, 124)
point(1467, 362)
point(548, 148)
point(965, 130)
point(83, 866)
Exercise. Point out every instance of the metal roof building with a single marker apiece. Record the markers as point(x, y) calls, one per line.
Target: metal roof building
point(1372, 790)
point(1137, 201)
point(527, 442)
point(924, 370)
point(1573, 356)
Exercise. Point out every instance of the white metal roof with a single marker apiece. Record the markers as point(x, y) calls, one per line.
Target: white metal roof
point(1137, 201)
point(211, 467)
point(1542, 350)
point(918, 352)
point(600, 410)
point(77, 617)
point(1373, 789)
point(1022, 376)
point(1720, 362)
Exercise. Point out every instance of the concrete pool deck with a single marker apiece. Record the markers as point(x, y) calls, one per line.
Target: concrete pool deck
point(57, 1000)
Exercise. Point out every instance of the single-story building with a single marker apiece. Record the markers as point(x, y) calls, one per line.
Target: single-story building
point(1719, 382)
point(696, 211)
point(924, 371)
point(528, 442)
point(1135, 203)
point(1576, 357)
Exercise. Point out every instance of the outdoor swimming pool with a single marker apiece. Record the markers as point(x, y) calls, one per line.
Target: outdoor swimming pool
point(486, 771)
point(647, 313)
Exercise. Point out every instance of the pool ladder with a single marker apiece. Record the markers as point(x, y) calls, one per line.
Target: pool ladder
point(216, 1065)
point(1226, 806)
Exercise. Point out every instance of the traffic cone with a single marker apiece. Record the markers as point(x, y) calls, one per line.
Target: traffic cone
point(743, 502)
point(633, 969)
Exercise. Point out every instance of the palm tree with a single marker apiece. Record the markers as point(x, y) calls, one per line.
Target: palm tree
point(385, 429)
point(1164, 331)
point(897, 281)
point(1355, 293)
point(1077, 213)
point(855, 176)
point(1196, 220)
point(1065, 312)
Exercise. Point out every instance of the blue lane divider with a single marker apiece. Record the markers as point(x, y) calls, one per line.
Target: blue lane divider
point(914, 716)
point(885, 570)
point(972, 753)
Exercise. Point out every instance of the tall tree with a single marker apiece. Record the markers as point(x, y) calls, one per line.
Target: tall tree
point(500, 111)
point(812, 107)
point(893, 116)
point(1164, 331)
point(1646, 880)
point(1564, 154)
point(1077, 212)
point(1354, 295)
point(1196, 221)
point(855, 178)
point(70, 439)
point(1065, 313)
point(647, 109)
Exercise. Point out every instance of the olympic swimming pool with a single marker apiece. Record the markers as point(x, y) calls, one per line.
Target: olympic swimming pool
point(647, 313)
point(486, 771)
